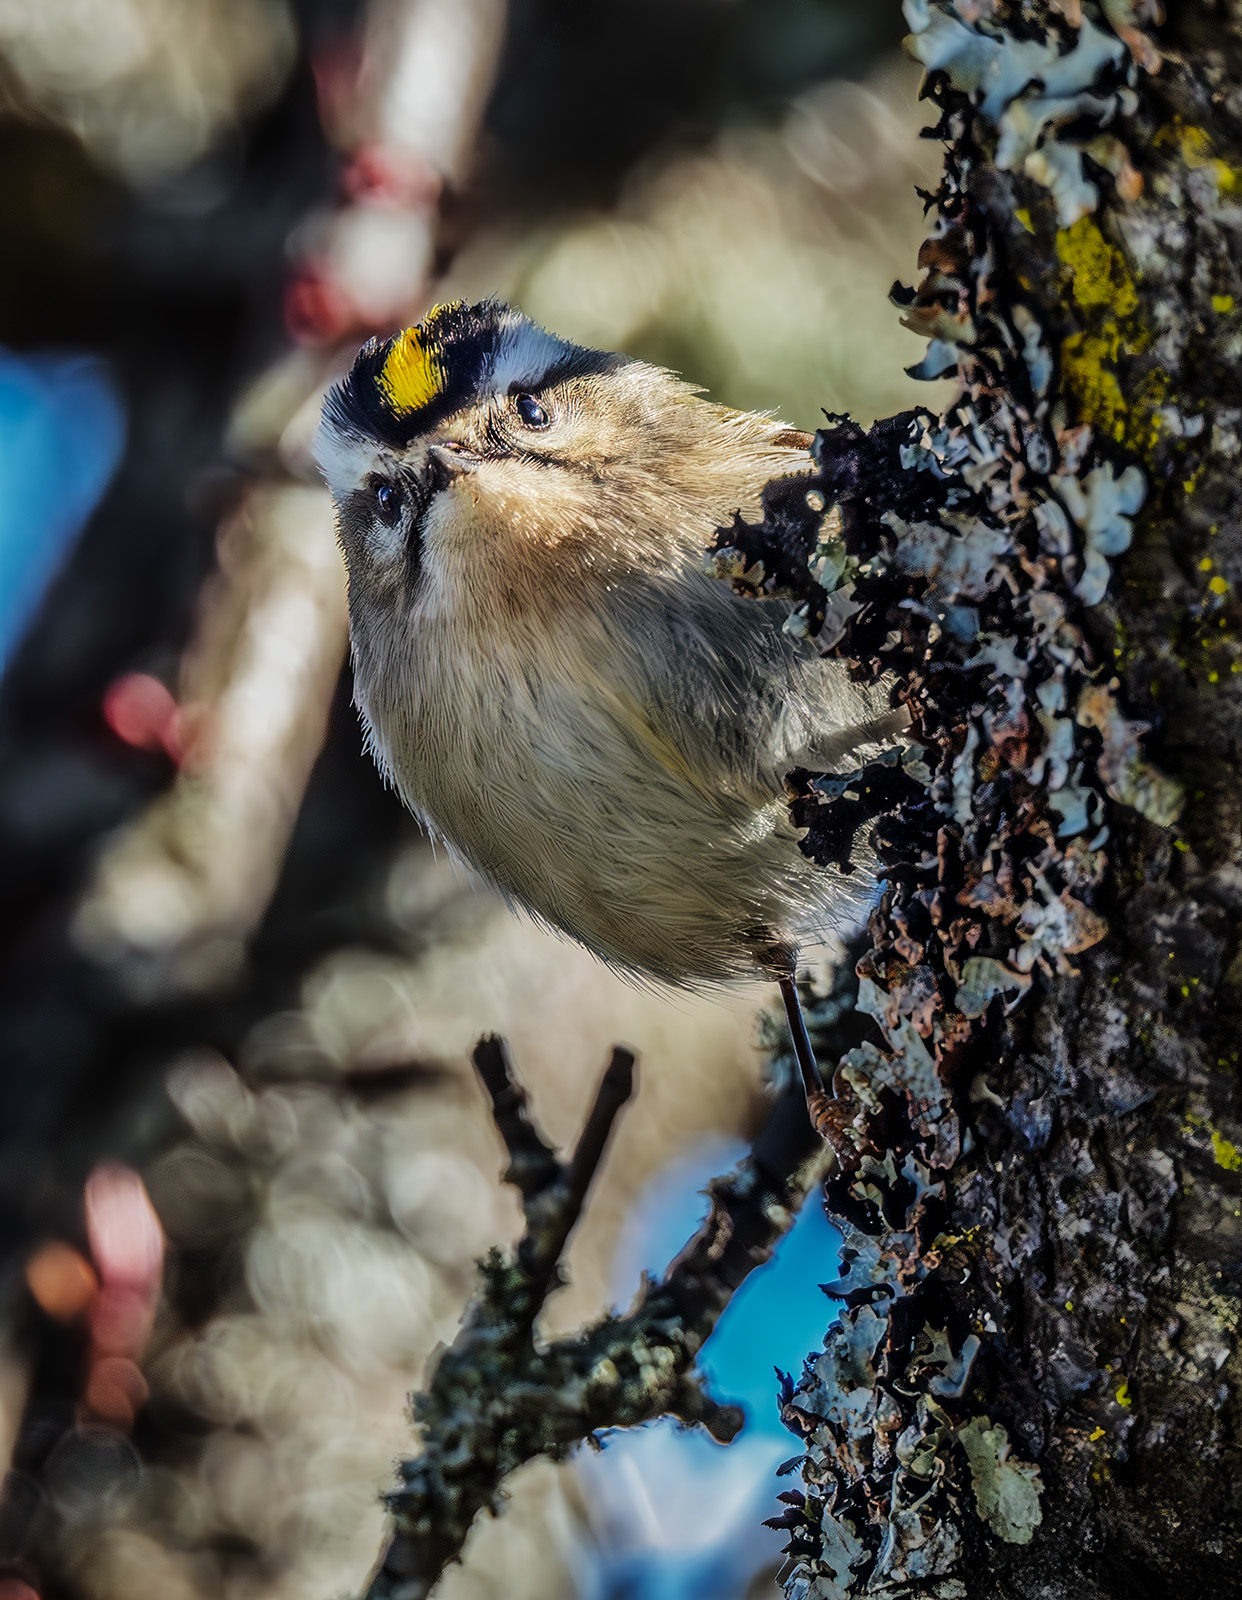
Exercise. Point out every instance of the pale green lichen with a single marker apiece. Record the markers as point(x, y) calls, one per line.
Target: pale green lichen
point(1102, 505)
point(1057, 167)
point(1006, 1492)
point(965, 561)
point(1127, 776)
point(998, 71)
point(1037, 522)
point(995, 69)
point(983, 979)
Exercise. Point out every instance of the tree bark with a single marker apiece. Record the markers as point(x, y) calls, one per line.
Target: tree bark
point(1034, 1386)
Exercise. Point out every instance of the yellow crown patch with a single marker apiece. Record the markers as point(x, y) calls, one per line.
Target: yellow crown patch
point(412, 375)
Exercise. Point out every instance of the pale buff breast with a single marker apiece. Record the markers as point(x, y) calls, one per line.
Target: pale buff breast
point(540, 761)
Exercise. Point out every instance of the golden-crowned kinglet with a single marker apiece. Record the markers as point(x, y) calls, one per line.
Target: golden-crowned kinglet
point(548, 676)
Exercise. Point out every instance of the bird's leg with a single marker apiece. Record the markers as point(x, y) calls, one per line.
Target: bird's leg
point(812, 1079)
point(779, 960)
point(830, 1117)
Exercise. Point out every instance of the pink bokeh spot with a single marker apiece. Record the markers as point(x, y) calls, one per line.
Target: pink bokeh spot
point(120, 1320)
point(127, 1242)
point(115, 1390)
point(317, 311)
point(15, 1589)
point(127, 1246)
point(384, 175)
point(141, 710)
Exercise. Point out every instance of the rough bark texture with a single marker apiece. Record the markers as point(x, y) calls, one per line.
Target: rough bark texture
point(1034, 1388)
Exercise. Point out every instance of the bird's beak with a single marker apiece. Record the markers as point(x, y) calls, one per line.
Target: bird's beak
point(448, 461)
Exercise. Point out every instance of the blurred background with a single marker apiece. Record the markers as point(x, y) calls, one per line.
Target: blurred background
point(245, 1170)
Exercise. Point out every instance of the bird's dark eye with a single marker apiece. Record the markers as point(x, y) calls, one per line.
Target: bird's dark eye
point(531, 412)
point(388, 502)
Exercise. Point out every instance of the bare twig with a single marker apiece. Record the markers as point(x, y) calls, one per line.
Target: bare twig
point(497, 1398)
point(533, 1166)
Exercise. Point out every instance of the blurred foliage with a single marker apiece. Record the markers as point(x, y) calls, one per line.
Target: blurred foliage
point(754, 261)
point(585, 91)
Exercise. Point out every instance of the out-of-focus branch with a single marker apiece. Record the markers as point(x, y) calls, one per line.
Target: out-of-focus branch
point(179, 891)
point(497, 1398)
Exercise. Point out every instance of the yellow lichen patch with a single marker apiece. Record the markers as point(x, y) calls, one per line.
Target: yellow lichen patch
point(1101, 276)
point(1123, 1393)
point(1147, 398)
point(1190, 484)
point(1092, 384)
point(1228, 179)
point(1219, 585)
point(1221, 303)
point(412, 376)
point(1196, 148)
point(1103, 288)
point(1227, 1155)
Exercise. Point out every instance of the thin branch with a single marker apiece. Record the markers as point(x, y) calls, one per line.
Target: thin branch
point(533, 1166)
point(616, 1087)
point(497, 1398)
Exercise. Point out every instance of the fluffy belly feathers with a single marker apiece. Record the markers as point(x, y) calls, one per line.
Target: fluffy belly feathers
point(565, 793)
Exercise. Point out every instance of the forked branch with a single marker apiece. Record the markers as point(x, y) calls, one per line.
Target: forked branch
point(498, 1398)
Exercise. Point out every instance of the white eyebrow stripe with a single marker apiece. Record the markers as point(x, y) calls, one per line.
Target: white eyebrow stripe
point(524, 357)
point(344, 459)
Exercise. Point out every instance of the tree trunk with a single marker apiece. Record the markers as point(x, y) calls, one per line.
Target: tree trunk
point(1034, 1387)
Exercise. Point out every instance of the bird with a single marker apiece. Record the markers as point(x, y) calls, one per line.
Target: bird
point(547, 673)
